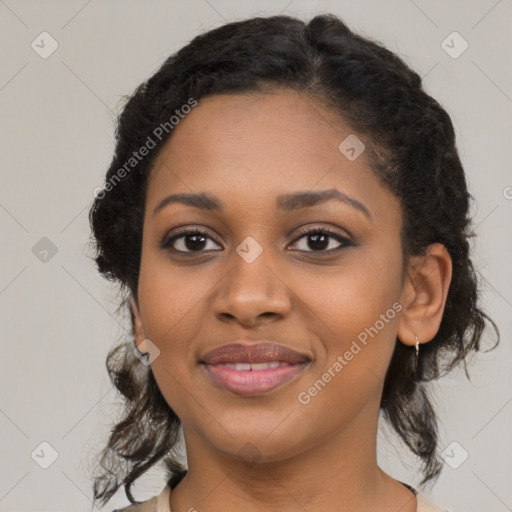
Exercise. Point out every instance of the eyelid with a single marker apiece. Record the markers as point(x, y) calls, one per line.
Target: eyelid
point(331, 231)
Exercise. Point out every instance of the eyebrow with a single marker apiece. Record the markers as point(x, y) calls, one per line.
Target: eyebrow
point(286, 202)
point(298, 200)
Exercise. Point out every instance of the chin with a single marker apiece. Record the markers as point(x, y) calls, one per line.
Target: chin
point(260, 447)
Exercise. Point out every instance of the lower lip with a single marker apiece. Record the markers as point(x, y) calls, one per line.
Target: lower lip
point(252, 382)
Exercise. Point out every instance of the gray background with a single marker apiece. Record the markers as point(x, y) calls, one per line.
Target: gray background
point(57, 316)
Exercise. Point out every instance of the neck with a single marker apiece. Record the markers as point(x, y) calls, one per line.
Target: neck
point(340, 470)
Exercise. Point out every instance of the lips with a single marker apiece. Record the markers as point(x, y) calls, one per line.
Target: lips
point(255, 353)
point(256, 369)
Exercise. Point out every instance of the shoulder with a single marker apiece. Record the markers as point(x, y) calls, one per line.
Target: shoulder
point(425, 505)
point(144, 506)
point(158, 503)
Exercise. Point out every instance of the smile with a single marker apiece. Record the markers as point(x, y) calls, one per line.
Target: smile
point(254, 366)
point(251, 379)
point(249, 369)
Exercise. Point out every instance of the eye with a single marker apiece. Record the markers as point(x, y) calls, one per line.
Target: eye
point(188, 240)
point(196, 240)
point(319, 239)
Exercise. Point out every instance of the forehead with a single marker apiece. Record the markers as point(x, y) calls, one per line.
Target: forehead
point(263, 126)
point(259, 145)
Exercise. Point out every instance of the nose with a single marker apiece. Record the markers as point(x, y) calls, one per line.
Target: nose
point(251, 293)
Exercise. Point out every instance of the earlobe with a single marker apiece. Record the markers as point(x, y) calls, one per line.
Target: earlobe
point(137, 327)
point(424, 295)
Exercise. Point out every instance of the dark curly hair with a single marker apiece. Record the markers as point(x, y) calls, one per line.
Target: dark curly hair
point(411, 143)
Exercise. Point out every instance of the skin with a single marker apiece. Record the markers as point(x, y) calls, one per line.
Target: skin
point(247, 149)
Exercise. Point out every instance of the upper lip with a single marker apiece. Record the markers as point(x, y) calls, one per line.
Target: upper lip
point(253, 353)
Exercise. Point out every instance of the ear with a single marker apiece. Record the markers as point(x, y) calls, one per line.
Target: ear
point(424, 295)
point(137, 327)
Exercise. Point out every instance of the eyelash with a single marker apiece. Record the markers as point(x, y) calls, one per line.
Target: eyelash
point(167, 242)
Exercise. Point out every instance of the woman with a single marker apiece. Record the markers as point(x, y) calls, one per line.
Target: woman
point(288, 215)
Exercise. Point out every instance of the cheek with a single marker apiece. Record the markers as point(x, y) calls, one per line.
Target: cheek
point(172, 308)
point(352, 371)
point(346, 301)
point(169, 298)
point(355, 312)
point(168, 303)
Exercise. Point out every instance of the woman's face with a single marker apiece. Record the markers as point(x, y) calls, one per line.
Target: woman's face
point(255, 275)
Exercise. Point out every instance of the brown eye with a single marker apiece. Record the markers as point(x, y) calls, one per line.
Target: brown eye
point(322, 240)
point(192, 240)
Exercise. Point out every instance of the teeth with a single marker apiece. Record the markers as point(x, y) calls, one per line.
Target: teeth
point(255, 366)
point(264, 366)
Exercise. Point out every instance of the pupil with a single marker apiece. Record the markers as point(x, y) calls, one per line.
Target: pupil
point(193, 246)
point(323, 244)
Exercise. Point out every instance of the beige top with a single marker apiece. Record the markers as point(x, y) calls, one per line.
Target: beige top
point(160, 503)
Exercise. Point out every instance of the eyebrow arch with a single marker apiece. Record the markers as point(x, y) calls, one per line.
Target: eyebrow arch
point(299, 200)
point(287, 202)
point(201, 201)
